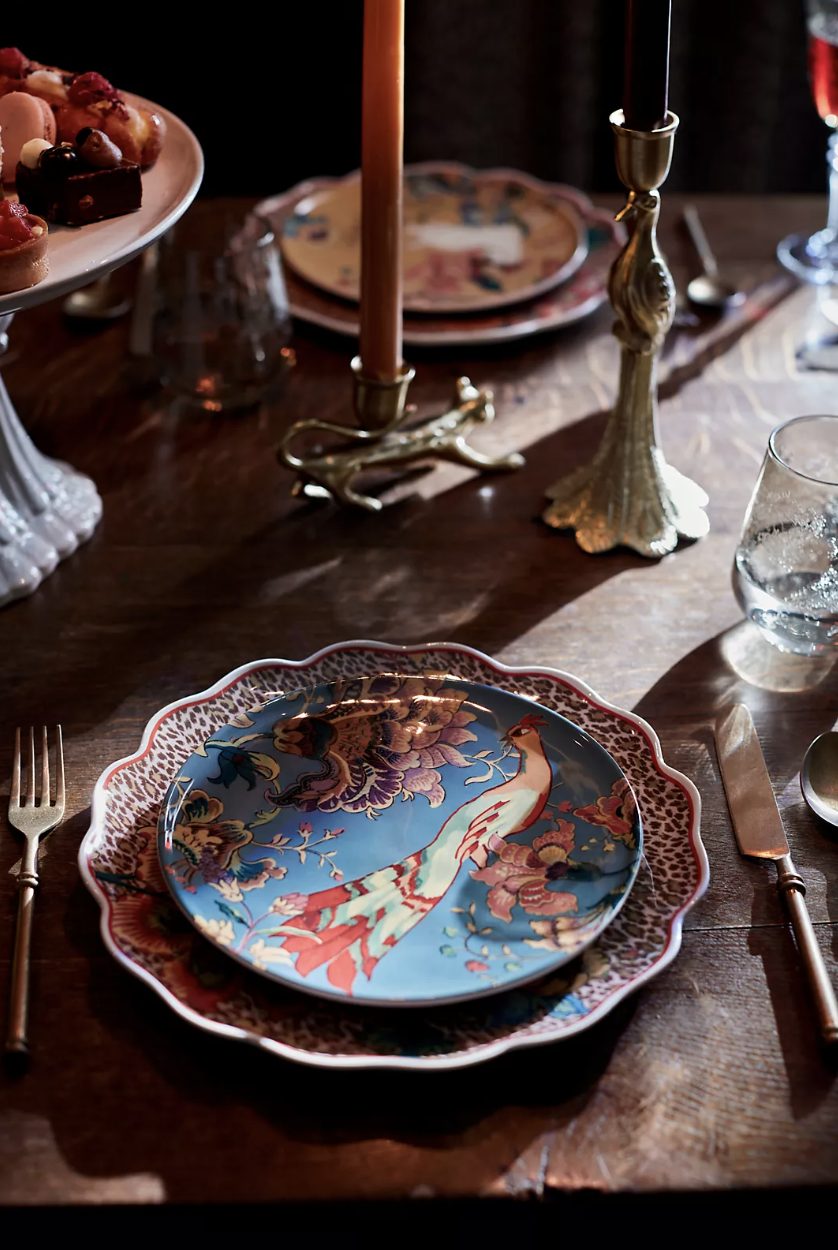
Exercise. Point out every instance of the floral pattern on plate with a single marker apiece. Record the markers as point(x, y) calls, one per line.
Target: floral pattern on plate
point(147, 933)
point(563, 305)
point(473, 240)
point(468, 815)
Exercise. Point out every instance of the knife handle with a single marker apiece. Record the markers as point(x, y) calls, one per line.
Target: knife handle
point(792, 889)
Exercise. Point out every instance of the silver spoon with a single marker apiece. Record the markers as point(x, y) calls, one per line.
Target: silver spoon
point(819, 777)
point(101, 301)
point(708, 290)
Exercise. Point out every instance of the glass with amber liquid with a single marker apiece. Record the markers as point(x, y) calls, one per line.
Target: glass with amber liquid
point(815, 258)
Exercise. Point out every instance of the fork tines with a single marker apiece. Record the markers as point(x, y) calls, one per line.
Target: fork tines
point(14, 798)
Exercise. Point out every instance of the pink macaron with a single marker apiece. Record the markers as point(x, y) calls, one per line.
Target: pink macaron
point(22, 117)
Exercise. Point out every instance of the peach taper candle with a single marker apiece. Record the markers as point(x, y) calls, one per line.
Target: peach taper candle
point(381, 189)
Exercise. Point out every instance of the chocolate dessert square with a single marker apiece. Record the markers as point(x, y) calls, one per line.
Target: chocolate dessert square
point(77, 199)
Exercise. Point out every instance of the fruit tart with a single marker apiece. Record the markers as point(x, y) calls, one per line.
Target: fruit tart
point(23, 247)
point(80, 100)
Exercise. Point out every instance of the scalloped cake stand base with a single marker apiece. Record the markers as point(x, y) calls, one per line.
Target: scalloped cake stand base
point(46, 507)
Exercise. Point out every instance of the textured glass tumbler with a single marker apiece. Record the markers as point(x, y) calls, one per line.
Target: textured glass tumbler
point(785, 574)
point(222, 324)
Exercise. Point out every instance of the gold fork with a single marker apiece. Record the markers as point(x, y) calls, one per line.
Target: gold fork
point(34, 821)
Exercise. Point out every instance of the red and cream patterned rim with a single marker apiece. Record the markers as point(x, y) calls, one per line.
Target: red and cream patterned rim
point(118, 864)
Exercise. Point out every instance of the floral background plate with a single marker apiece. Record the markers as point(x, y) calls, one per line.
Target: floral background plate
point(400, 840)
point(148, 934)
point(562, 305)
point(472, 239)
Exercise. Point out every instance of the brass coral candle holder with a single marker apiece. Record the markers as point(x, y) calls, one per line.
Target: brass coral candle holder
point(628, 495)
point(386, 440)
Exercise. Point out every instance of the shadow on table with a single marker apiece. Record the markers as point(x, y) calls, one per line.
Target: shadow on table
point(177, 1090)
point(483, 570)
point(792, 699)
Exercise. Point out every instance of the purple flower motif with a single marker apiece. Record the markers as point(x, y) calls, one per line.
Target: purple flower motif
point(416, 726)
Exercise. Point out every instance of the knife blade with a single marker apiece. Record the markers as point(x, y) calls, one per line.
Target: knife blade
point(759, 833)
point(750, 795)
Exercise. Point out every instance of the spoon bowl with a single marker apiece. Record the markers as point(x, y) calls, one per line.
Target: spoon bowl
point(710, 291)
point(819, 777)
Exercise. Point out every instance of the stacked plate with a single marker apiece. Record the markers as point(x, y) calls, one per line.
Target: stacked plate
point(489, 255)
point(394, 857)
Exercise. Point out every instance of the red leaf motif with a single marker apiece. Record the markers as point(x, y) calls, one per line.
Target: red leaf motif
point(537, 901)
point(615, 812)
point(500, 901)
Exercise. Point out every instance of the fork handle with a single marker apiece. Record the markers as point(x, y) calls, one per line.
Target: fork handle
point(17, 1041)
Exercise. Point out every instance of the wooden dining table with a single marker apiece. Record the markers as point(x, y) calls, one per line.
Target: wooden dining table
point(711, 1078)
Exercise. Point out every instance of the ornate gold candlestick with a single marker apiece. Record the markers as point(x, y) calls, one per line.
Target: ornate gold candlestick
point(385, 439)
point(628, 494)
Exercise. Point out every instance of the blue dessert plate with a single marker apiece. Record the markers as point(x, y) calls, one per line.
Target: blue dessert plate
point(400, 840)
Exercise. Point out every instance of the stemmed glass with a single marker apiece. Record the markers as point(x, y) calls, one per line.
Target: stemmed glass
point(815, 259)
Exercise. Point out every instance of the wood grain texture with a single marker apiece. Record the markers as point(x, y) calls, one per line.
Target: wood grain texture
point(711, 1077)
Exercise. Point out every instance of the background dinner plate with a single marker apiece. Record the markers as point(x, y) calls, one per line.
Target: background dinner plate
point(473, 239)
point(146, 932)
point(400, 840)
point(79, 255)
point(564, 305)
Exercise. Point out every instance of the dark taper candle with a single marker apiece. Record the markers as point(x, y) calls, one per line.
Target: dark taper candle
point(646, 84)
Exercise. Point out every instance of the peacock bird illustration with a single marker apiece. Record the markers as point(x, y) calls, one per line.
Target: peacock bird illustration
point(349, 927)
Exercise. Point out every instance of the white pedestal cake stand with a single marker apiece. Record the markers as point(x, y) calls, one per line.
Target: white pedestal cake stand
point(46, 507)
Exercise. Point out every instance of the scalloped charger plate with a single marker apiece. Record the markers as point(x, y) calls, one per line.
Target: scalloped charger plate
point(148, 934)
point(565, 304)
point(400, 840)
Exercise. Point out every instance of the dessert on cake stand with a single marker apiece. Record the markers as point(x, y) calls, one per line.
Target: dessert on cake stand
point(47, 508)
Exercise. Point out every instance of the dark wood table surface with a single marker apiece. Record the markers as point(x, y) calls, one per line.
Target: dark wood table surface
point(711, 1077)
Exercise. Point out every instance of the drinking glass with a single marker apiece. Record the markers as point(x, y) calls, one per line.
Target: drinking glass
point(221, 325)
point(815, 258)
point(785, 573)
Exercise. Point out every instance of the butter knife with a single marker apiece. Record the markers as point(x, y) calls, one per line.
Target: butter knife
point(759, 832)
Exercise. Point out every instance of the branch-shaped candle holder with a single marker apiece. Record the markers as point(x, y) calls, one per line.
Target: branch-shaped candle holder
point(628, 495)
point(385, 439)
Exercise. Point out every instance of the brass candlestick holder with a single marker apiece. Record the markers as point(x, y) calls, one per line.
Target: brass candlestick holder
point(628, 495)
point(386, 440)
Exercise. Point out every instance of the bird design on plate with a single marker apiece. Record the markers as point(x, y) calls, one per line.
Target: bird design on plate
point(515, 837)
point(349, 927)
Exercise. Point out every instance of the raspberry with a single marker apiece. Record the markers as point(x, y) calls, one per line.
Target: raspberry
point(9, 209)
point(13, 62)
point(87, 89)
point(14, 230)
